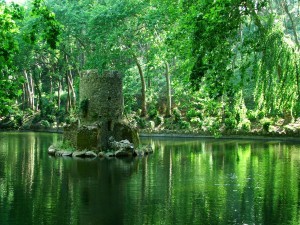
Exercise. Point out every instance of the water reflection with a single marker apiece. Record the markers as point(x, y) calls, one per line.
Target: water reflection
point(183, 182)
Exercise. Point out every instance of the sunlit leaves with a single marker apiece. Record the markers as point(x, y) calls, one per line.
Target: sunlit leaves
point(8, 49)
point(8, 45)
point(44, 26)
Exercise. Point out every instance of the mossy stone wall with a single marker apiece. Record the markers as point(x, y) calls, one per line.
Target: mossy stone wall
point(102, 95)
point(101, 112)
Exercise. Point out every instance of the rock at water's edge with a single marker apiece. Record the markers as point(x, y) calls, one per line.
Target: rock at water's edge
point(80, 154)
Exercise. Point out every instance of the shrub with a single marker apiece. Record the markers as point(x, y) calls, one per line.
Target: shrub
point(197, 122)
point(141, 122)
point(230, 123)
point(246, 125)
point(64, 145)
point(266, 122)
point(177, 114)
point(251, 115)
point(51, 118)
point(36, 118)
point(169, 123)
point(152, 112)
point(19, 119)
point(215, 128)
point(45, 124)
point(193, 113)
point(70, 119)
point(184, 125)
point(159, 120)
point(260, 115)
point(61, 116)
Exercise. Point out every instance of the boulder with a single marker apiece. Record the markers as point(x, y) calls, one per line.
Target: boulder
point(138, 152)
point(80, 154)
point(147, 149)
point(123, 131)
point(63, 153)
point(144, 150)
point(51, 150)
point(101, 154)
point(122, 148)
point(120, 145)
point(90, 154)
point(110, 154)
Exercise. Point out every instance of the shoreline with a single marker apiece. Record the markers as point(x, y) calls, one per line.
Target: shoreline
point(223, 137)
point(262, 137)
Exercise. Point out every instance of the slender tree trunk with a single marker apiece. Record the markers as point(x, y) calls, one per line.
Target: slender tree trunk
point(169, 90)
point(143, 84)
point(71, 91)
point(51, 86)
point(29, 87)
point(297, 79)
point(255, 17)
point(39, 92)
point(71, 86)
point(68, 103)
point(32, 93)
point(286, 9)
point(58, 94)
point(24, 98)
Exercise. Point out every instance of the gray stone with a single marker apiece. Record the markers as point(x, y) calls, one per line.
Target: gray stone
point(124, 131)
point(80, 154)
point(63, 153)
point(144, 150)
point(51, 150)
point(101, 154)
point(110, 154)
point(138, 152)
point(148, 149)
point(90, 154)
point(123, 145)
point(67, 153)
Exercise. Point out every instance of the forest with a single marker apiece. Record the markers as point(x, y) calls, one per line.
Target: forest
point(192, 66)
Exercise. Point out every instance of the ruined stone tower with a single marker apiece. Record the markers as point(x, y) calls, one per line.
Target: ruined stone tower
point(101, 112)
point(101, 97)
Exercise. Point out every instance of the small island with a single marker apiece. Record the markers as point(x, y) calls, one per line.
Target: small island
point(101, 129)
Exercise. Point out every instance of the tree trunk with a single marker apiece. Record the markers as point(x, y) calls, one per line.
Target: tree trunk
point(29, 87)
point(68, 103)
point(286, 9)
point(58, 94)
point(39, 92)
point(24, 97)
point(71, 86)
point(169, 90)
point(297, 79)
point(71, 91)
point(143, 84)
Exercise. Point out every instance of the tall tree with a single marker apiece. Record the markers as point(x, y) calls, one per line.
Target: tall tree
point(9, 82)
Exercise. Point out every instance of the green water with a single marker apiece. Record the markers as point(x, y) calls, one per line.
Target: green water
point(183, 182)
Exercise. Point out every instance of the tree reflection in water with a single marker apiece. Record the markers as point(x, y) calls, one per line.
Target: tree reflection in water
point(183, 182)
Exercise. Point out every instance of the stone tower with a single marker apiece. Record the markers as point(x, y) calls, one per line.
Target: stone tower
point(101, 112)
point(101, 97)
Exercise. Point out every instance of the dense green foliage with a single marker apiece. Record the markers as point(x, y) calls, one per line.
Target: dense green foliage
point(200, 64)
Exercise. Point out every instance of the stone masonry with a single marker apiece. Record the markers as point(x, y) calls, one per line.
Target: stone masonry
point(101, 113)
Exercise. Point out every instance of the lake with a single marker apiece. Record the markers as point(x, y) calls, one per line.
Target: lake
point(185, 181)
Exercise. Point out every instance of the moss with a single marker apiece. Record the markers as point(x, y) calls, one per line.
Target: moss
point(123, 131)
point(84, 106)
